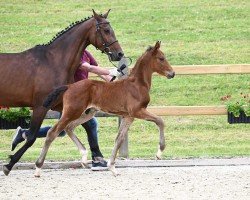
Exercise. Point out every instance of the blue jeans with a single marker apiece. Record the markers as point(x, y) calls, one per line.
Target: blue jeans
point(44, 130)
point(90, 127)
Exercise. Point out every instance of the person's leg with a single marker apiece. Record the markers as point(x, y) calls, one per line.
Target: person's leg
point(98, 162)
point(22, 134)
point(44, 130)
point(91, 129)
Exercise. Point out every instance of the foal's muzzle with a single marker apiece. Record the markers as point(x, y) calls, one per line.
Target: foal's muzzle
point(170, 74)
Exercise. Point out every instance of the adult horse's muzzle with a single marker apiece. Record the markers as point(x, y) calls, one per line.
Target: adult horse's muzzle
point(114, 56)
point(170, 74)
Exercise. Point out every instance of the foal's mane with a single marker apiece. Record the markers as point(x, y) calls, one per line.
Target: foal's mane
point(140, 60)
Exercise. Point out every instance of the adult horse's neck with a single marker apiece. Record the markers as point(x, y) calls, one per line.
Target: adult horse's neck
point(142, 71)
point(67, 48)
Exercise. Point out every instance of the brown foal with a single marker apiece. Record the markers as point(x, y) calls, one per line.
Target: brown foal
point(128, 98)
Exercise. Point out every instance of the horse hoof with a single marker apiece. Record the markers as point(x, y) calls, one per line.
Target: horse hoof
point(113, 169)
point(159, 154)
point(116, 174)
point(157, 158)
point(85, 165)
point(37, 176)
point(6, 171)
point(37, 172)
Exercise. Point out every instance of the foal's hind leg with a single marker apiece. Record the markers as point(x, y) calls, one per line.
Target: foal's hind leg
point(70, 131)
point(144, 114)
point(81, 147)
point(123, 130)
point(51, 135)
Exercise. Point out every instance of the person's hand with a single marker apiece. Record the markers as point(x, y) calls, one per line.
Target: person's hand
point(114, 72)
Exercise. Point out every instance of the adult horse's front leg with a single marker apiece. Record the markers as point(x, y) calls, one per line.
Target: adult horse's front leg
point(144, 114)
point(36, 121)
point(123, 130)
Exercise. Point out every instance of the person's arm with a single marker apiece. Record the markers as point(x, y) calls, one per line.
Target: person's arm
point(106, 77)
point(94, 69)
point(102, 72)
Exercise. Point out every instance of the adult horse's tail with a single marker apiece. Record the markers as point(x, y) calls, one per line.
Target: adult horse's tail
point(54, 96)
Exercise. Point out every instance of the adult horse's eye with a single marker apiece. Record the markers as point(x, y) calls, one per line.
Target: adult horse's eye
point(161, 59)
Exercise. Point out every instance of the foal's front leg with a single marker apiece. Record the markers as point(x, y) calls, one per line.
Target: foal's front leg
point(123, 130)
point(144, 114)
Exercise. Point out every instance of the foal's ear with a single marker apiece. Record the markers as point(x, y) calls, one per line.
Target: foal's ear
point(96, 16)
point(157, 46)
point(106, 14)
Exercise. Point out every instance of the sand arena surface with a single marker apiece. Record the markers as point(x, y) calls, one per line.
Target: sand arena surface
point(200, 182)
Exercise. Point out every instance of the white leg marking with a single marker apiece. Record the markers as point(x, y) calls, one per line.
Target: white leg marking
point(85, 159)
point(37, 172)
point(112, 169)
point(159, 154)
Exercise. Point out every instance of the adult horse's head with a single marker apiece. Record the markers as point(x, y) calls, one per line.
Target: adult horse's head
point(159, 62)
point(103, 37)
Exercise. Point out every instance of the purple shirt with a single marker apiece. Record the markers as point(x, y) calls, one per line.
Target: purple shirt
point(81, 74)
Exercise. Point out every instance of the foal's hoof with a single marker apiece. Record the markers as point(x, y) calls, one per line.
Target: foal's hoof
point(157, 158)
point(113, 170)
point(116, 174)
point(85, 165)
point(37, 173)
point(159, 154)
point(6, 171)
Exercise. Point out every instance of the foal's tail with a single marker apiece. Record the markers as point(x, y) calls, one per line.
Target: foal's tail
point(53, 96)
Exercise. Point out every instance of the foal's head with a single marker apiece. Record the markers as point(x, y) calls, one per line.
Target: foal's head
point(158, 61)
point(103, 37)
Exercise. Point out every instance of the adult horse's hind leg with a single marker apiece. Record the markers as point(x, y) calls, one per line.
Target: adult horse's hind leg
point(144, 114)
point(123, 130)
point(36, 121)
point(70, 131)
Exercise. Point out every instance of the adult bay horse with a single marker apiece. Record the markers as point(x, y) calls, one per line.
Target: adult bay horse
point(128, 98)
point(28, 77)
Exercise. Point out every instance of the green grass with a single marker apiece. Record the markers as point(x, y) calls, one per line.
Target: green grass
point(195, 136)
point(192, 32)
point(190, 90)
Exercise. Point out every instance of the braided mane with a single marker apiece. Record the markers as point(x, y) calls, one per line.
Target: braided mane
point(72, 25)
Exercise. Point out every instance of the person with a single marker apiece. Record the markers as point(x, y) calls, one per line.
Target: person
point(88, 64)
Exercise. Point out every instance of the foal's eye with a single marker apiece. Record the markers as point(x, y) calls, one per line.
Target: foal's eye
point(106, 31)
point(161, 59)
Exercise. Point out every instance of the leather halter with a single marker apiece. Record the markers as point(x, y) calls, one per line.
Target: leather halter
point(104, 44)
